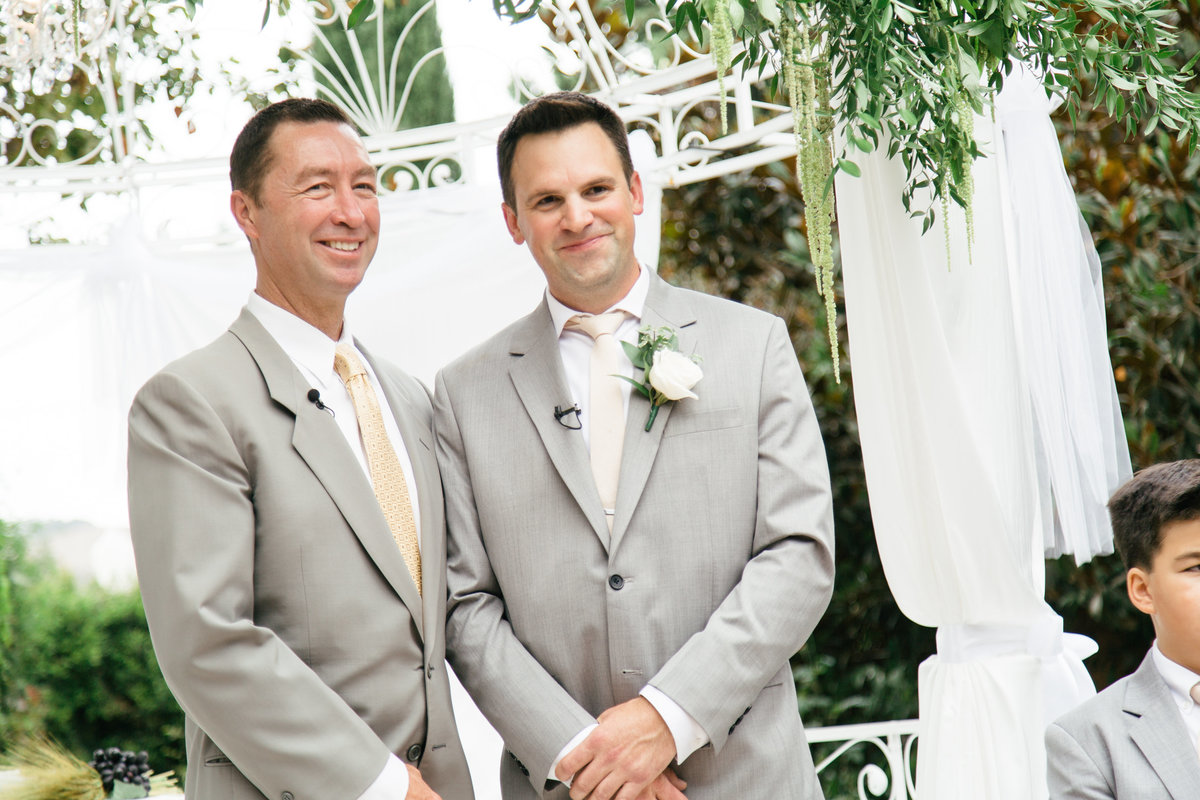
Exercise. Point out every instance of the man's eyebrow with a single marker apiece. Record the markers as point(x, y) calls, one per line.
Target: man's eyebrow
point(1191, 555)
point(325, 172)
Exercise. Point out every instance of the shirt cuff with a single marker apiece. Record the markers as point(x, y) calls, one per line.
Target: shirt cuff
point(687, 733)
point(571, 745)
point(391, 783)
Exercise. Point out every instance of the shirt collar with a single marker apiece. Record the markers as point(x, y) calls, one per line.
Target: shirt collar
point(1179, 679)
point(304, 344)
point(633, 303)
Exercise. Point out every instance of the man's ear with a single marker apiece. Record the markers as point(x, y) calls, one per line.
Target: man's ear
point(244, 213)
point(1137, 584)
point(635, 189)
point(510, 219)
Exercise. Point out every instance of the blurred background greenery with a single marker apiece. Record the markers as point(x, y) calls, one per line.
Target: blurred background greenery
point(76, 662)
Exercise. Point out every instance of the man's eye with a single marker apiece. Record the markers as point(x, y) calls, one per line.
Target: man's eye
point(368, 188)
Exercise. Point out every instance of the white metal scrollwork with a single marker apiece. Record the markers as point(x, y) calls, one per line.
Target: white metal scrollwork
point(658, 82)
point(892, 742)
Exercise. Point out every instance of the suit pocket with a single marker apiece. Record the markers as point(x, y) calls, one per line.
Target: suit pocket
point(684, 422)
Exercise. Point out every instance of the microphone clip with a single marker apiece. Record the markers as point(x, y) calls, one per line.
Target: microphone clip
point(314, 397)
point(560, 413)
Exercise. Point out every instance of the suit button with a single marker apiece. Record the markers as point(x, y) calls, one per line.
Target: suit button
point(413, 753)
point(286, 796)
point(616, 582)
point(429, 672)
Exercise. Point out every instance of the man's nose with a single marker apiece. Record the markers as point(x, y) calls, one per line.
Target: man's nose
point(348, 208)
point(576, 214)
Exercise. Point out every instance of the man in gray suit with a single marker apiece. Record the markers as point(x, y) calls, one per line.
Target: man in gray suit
point(305, 648)
point(626, 633)
point(1137, 739)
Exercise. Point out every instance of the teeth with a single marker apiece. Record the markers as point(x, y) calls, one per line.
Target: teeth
point(347, 246)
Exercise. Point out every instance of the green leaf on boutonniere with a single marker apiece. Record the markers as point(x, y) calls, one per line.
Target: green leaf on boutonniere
point(636, 354)
point(641, 387)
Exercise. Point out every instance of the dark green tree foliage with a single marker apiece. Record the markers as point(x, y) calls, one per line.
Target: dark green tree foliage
point(80, 666)
point(431, 100)
point(1141, 200)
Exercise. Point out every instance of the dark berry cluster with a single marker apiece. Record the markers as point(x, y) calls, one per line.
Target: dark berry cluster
point(115, 764)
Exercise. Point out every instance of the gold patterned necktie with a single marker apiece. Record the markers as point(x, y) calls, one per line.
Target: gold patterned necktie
point(606, 404)
point(387, 476)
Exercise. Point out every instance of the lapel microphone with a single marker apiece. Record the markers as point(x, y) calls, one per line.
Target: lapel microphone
point(560, 412)
point(314, 397)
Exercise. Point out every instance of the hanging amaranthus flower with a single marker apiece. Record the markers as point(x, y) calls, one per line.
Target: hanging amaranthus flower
point(807, 80)
point(722, 49)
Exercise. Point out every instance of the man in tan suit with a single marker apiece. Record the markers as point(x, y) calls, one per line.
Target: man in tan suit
point(625, 629)
point(287, 513)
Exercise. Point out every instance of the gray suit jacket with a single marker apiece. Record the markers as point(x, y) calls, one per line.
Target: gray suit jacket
point(282, 613)
point(718, 567)
point(1128, 742)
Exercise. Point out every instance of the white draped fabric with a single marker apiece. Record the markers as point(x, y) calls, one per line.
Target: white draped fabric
point(985, 405)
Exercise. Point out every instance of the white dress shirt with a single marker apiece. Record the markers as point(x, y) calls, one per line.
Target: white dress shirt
point(575, 348)
point(1180, 680)
point(312, 352)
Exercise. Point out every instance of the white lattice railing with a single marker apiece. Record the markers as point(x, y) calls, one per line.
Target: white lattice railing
point(885, 751)
point(665, 85)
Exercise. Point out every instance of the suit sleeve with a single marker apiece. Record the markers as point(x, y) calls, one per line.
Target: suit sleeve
point(191, 499)
point(1071, 773)
point(787, 582)
point(532, 711)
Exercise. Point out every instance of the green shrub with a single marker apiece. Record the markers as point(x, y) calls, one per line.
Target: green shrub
point(80, 667)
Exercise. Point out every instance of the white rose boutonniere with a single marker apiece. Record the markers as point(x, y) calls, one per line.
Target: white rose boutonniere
point(667, 374)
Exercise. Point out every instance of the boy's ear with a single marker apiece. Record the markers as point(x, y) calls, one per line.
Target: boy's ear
point(1137, 584)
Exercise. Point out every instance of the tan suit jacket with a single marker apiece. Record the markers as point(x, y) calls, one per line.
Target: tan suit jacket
point(1126, 743)
point(718, 567)
point(282, 613)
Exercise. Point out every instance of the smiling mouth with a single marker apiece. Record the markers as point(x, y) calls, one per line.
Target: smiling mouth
point(345, 247)
point(583, 243)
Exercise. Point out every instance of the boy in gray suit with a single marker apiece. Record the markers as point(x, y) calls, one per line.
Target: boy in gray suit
point(1138, 738)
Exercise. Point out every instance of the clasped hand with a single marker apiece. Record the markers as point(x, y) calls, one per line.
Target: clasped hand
point(624, 758)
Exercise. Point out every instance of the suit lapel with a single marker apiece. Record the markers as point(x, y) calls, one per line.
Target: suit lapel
point(537, 374)
point(664, 306)
point(1160, 733)
point(321, 444)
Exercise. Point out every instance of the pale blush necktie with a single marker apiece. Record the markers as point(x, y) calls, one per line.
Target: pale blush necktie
point(606, 403)
point(1195, 693)
point(387, 476)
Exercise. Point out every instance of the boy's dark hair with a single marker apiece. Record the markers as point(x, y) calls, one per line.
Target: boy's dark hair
point(557, 112)
point(1152, 499)
point(250, 158)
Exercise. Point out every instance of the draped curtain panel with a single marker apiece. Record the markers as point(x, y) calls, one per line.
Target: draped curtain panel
point(990, 436)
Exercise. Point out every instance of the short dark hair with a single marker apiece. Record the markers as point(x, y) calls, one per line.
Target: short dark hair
point(1154, 498)
point(250, 158)
point(557, 112)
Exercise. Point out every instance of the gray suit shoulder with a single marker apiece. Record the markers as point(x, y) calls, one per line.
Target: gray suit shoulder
point(498, 346)
point(1105, 711)
point(707, 305)
point(211, 367)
